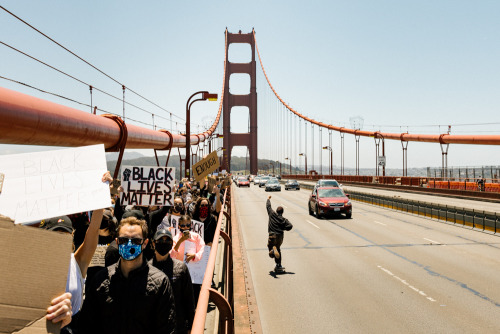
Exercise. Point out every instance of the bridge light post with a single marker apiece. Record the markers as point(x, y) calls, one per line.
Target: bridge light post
point(305, 156)
point(331, 158)
point(205, 96)
point(271, 164)
point(290, 162)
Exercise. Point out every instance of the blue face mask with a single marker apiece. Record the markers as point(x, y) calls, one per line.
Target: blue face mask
point(129, 251)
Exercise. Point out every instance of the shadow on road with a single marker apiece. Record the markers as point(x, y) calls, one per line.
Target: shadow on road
point(276, 274)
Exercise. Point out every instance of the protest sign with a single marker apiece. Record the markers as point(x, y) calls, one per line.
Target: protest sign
point(211, 183)
point(171, 223)
point(34, 266)
point(143, 185)
point(53, 183)
point(197, 269)
point(205, 166)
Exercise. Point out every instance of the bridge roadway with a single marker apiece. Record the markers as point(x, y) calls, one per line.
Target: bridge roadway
point(382, 271)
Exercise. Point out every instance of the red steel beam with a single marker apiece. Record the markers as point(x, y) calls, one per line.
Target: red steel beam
point(440, 138)
point(28, 120)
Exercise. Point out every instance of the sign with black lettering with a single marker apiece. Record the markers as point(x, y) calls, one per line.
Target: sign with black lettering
point(145, 185)
point(206, 166)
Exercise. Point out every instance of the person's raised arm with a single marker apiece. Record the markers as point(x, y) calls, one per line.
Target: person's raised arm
point(84, 253)
point(268, 206)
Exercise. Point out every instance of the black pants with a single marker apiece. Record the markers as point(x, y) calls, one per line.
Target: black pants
point(275, 240)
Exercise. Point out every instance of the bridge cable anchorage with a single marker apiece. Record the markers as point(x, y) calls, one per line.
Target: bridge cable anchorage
point(451, 139)
point(85, 61)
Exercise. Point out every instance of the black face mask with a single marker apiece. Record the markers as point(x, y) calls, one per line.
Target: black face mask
point(178, 208)
point(104, 224)
point(163, 248)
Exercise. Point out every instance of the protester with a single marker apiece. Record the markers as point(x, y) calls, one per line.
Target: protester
point(203, 213)
point(276, 227)
point(192, 252)
point(178, 274)
point(131, 296)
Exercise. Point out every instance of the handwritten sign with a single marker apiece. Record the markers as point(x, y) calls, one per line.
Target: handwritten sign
point(171, 223)
point(197, 269)
point(98, 259)
point(147, 185)
point(53, 183)
point(206, 166)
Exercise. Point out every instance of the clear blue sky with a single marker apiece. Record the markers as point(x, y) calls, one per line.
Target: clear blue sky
point(400, 65)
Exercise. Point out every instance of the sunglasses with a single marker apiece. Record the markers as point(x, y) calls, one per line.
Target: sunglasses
point(203, 205)
point(134, 241)
point(185, 225)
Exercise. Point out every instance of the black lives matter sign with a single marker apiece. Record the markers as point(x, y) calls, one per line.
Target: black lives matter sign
point(147, 185)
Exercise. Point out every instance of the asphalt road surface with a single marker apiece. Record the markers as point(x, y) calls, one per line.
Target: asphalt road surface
point(380, 272)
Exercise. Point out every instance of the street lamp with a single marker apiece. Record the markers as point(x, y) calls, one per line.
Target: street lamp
point(331, 158)
point(290, 161)
point(205, 96)
point(305, 156)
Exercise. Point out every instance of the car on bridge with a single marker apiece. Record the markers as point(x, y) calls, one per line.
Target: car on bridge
point(256, 180)
point(263, 181)
point(273, 185)
point(292, 184)
point(329, 201)
point(243, 182)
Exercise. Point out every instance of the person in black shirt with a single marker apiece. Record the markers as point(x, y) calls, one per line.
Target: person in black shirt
point(276, 226)
point(180, 279)
point(131, 296)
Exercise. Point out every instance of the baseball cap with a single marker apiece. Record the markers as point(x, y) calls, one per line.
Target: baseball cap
point(162, 233)
point(61, 223)
point(134, 213)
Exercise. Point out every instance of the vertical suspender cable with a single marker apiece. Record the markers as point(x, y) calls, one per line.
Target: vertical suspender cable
point(123, 88)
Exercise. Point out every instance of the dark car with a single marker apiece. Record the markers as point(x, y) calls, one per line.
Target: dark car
point(292, 184)
point(328, 201)
point(273, 185)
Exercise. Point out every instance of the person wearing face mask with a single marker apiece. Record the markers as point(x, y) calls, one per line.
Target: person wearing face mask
point(175, 211)
point(188, 246)
point(203, 213)
point(178, 274)
point(131, 296)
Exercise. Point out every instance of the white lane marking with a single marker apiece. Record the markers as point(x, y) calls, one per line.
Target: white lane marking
point(433, 242)
point(420, 292)
point(379, 223)
point(313, 224)
point(283, 205)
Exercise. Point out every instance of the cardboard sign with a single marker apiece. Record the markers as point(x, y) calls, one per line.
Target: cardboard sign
point(34, 270)
point(172, 224)
point(53, 183)
point(211, 183)
point(197, 269)
point(143, 185)
point(206, 166)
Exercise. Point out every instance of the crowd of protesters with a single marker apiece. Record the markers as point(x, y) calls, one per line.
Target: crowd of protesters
point(128, 272)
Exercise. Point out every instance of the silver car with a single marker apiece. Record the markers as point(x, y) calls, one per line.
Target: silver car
point(273, 185)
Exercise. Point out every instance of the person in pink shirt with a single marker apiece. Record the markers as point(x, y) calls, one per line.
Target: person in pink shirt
point(188, 245)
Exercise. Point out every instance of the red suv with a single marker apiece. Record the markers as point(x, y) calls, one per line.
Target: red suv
point(329, 200)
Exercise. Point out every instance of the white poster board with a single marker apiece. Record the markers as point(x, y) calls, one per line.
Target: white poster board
point(197, 269)
point(146, 185)
point(47, 184)
point(172, 224)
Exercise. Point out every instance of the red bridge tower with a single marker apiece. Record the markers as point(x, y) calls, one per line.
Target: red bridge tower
point(249, 100)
